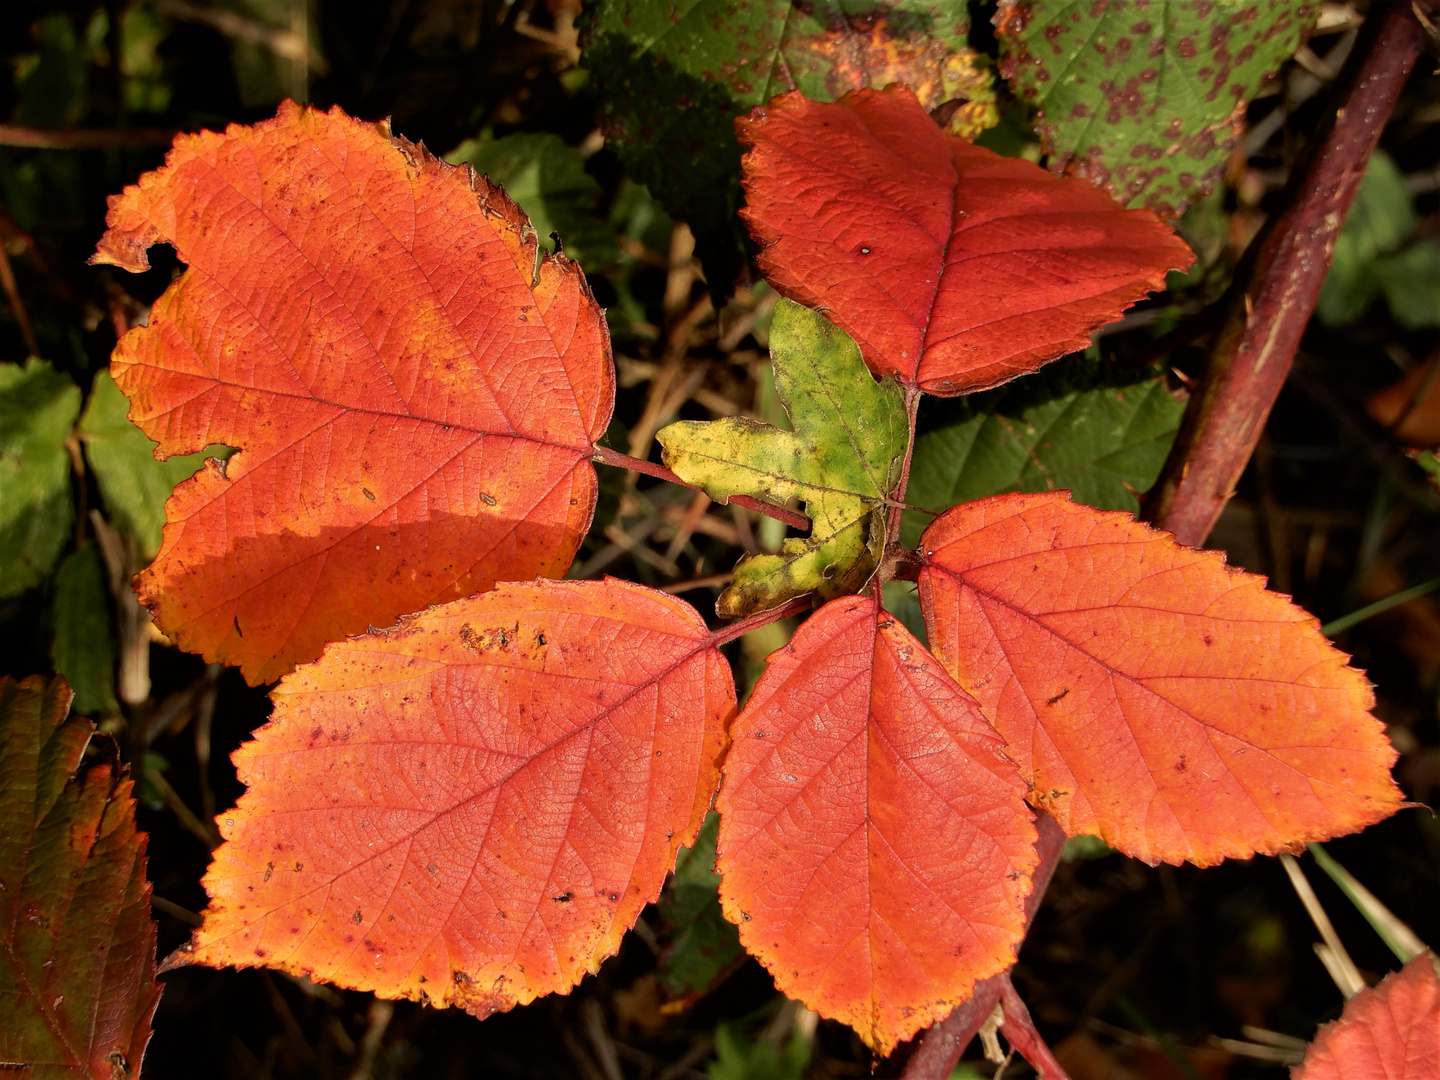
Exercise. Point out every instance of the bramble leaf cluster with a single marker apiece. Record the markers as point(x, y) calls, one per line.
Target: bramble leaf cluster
point(352, 452)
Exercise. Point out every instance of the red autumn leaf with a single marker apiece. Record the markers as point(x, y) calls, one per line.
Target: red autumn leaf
point(875, 848)
point(77, 947)
point(953, 268)
point(1151, 695)
point(413, 396)
point(473, 807)
point(1391, 1032)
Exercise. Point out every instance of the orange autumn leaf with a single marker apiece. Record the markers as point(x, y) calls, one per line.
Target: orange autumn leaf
point(875, 848)
point(472, 808)
point(953, 268)
point(413, 396)
point(1390, 1032)
point(1151, 695)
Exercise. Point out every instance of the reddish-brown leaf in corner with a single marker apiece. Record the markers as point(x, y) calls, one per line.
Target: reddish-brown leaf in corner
point(875, 848)
point(414, 398)
point(77, 947)
point(1390, 1032)
point(472, 808)
point(953, 268)
point(1152, 696)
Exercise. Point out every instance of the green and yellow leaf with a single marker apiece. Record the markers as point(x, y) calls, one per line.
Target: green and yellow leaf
point(843, 460)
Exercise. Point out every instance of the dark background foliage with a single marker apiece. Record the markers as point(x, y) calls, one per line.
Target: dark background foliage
point(1126, 963)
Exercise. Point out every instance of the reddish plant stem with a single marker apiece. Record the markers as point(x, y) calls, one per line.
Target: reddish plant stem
point(1277, 285)
point(897, 509)
point(941, 1046)
point(1019, 1031)
point(84, 138)
point(727, 634)
point(606, 456)
point(17, 305)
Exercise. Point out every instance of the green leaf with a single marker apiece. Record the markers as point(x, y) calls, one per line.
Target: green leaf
point(1101, 434)
point(38, 406)
point(636, 216)
point(1145, 100)
point(702, 946)
point(673, 76)
point(1351, 285)
point(77, 947)
point(737, 1058)
point(1382, 216)
point(843, 459)
point(147, 86)
point(133, 484)
point(52, 93)
point(1380, 220)
point(1084, 848)
point(547, 177)
point(84, 647)
point(1410, 280)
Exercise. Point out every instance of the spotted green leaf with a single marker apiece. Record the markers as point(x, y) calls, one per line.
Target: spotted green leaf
point(1145, 98)
point(1074, 425)
point(38, 406)
point(842, 459)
